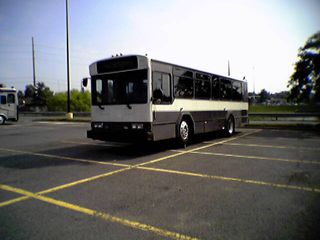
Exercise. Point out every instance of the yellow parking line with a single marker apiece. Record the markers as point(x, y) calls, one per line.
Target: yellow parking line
point(274, 146)
point(63, 157)
point(254, 157)
point(95, 144)
point(276, 185)
point(101, 215)
point(198, 148)
point(126, 167)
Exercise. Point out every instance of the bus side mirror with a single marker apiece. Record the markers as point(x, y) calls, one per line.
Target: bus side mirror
point(85, 82)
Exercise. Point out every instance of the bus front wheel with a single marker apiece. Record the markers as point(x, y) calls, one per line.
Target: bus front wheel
point(184, 131)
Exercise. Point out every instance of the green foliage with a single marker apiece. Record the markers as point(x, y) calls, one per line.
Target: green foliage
point(79, 102)
point(259, 108)
point(304, 83)
point(263, 108)
point(41, 96)
point(264, 95)
point(38, 95)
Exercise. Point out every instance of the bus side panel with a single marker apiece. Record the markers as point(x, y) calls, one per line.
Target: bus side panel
point(208, 121)
point(166, 131)
point(164, 125)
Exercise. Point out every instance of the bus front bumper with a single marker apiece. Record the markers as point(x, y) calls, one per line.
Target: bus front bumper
point(120, 132)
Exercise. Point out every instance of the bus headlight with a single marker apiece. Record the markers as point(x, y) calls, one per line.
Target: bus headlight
point(137, 125)
point(97, 125)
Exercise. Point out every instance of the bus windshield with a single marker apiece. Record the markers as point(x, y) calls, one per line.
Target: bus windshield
point(120, 88)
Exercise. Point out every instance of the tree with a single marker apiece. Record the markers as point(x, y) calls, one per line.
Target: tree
point(304, 83)
point(42, 94)
point(264, 95)
point(37, 96)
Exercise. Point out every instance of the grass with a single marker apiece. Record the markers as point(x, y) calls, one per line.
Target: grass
point(283, 109)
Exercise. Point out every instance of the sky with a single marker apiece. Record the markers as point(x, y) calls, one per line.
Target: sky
point(260, 38)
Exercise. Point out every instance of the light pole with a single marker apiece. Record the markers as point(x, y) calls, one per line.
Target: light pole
point(69, 114)
point(33, 65)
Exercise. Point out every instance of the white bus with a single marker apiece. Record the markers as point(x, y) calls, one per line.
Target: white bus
point(135, 97)
point(8, 105)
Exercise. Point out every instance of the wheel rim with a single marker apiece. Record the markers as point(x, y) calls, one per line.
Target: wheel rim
point(184, 130)
point(1, 120)
point(230, 126)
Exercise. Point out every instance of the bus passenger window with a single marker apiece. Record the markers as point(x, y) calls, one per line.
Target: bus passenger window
point(244, 92)
point(202, 89)
point(110, 94)
point(236, 91)
point(3, 100)
point(225, 89)
point(183, 87)
point(215, 87)
point(161, 81)
point(98, 91)
point(11, 98)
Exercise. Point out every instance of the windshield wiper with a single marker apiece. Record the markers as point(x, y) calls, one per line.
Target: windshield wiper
point(100, 106)
point(129, 106)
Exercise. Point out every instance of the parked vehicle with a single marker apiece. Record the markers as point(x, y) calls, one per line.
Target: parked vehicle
point(135, 96)
point(8, 105)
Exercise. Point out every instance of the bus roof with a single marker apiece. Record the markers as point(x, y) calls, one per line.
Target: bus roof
point(197, 70)
point(158, 61)
point(8, 90)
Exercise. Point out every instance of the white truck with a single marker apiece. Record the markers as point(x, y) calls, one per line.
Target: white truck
point(8, 105)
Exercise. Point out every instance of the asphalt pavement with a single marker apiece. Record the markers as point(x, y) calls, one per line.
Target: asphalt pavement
point(57, 184)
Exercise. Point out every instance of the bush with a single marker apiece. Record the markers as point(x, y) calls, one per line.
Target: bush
point(79, 102)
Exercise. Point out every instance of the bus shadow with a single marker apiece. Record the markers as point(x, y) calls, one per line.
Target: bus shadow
point(73, 155)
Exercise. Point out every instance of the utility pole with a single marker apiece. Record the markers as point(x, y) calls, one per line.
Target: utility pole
point(33, 64)
point(228, 68)
point(69, 114)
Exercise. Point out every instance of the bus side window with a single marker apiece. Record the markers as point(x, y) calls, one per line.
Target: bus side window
point(244, 92)
point(161, 81)
point(236, 91)
point(225, 89)
point(3, 99)
point(11, 98)
point(183, 87)
point(215, 87)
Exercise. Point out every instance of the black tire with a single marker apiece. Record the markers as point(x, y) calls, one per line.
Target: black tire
point(229, 127)
point(2, 120)
point(184, 131)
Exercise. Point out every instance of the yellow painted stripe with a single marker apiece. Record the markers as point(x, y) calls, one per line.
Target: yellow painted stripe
point(101, 215)
point(255, 157)
point(127, 167)
point(254, 182)
point(12, 201)
point(61, 187)
point(274, 146)
point(198, 148)
point(95, 144)
point(63, 157)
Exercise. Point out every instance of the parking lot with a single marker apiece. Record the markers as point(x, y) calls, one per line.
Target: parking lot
point(57, 184)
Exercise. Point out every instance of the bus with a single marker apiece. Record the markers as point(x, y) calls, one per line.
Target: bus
point(8, 105)
point(136, 98)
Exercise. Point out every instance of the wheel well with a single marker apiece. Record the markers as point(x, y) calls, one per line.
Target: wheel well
point(231, 116)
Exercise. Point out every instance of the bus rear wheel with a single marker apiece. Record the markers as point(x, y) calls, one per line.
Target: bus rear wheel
point(2, 120)
point(229, 126)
